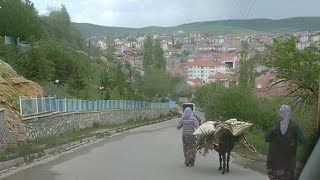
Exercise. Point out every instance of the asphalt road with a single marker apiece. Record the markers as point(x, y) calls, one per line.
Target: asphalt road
point(150, 152)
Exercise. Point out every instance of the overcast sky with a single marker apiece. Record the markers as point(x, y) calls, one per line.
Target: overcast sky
point(141, 13)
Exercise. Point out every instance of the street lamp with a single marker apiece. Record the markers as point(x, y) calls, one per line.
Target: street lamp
point(101, 89)
point(57, 81)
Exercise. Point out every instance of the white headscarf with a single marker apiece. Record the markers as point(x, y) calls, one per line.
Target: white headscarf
point(187, 113)
point(285, 114)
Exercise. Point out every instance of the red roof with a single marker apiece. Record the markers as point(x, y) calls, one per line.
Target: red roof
point(226, 56)
point(205, 63)
point(220, 76)
point(263, 85)
point(196, 82)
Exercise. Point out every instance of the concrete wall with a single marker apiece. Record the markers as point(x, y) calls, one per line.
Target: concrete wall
point(6, 137)
point(57, 124)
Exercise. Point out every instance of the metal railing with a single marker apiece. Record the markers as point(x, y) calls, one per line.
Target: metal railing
point(39, 105)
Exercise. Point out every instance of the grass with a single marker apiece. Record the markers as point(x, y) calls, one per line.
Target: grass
point(98, 130)
point(257, 141)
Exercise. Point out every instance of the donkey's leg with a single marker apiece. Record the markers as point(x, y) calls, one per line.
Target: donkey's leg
point(228, 160)
point(224, 162)
point(220, 159)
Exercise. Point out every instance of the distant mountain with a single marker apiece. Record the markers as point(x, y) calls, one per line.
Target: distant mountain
point(210, 27)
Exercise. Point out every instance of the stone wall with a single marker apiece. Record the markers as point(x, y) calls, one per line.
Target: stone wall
point(60, 123)
point(6, 137)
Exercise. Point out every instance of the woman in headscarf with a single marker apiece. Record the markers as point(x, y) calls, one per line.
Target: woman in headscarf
point(188, 123)
point(282, 138)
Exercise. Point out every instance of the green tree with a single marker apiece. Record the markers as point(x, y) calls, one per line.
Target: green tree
point(19, 19)
point(147, 53)
point(159, 61)
point(57, 25)
point(111, 49)
point(105, 81)
point(77, 80)
point(36, 66)
point(300, 68)
point(153, 55)
point(247, 75)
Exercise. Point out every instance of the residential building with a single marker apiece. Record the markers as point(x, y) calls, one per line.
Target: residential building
point(190, 48)
point(219, 40)
point(225, 78)
point(140, 39)
point(195, 82)
point(196, 35)
point(266, 85)
point(205, 47)
point(203, 68)
point(230, 59)
point(138, 45)
point(187, 40)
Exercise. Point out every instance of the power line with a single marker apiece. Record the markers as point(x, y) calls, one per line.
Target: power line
point(254, 1)
point(246, 8)
point(241, 6)
point(234, 9)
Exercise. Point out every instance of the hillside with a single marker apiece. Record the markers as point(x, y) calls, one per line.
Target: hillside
point(11, 87)
point(211, 27)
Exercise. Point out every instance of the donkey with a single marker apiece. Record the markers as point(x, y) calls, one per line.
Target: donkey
point(224, 145)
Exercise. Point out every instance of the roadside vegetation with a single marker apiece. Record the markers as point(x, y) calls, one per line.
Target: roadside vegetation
point(241, 102)
point(48, 47)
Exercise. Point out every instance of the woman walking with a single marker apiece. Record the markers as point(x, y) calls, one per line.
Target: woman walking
point(189, 123)
point(282, 138)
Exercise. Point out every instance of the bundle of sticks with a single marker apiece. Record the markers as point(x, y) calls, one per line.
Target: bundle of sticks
point(209, 140)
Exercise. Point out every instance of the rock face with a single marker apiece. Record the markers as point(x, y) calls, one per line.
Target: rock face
point(11, 87)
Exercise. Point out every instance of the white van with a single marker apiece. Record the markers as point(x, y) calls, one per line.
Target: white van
point(190, 105)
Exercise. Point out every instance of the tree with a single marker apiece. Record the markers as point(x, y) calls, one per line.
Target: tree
point(105, 81)
point(19, 19)
point(153, 55)
point(57, 25)
point(36, 66)
point(159, 61)
point(299, 68)
point(77, 80)
point(147, 53)
point(247, 75)
point(111, 49)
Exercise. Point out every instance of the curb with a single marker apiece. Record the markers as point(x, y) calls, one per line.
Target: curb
point(6, 166)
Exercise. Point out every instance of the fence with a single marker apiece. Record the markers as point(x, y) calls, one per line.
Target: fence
point(38, 105)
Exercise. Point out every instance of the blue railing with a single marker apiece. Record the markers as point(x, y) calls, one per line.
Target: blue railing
point(39, 105)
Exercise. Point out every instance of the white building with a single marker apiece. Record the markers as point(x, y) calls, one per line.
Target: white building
point(203, 68)
point(140, 39)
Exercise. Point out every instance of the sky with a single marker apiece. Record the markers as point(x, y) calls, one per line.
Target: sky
point(142, 13)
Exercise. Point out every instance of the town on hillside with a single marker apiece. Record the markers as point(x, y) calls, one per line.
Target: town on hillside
point(201, 58)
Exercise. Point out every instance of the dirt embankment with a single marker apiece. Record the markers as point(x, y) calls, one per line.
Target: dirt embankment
point(11, 87)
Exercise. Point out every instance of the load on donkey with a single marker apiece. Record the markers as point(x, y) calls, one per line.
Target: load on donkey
point(221, 137)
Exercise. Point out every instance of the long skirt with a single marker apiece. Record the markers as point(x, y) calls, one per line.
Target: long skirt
point(189, 148)
point(280, 174)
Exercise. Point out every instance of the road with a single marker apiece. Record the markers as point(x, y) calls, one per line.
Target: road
point(150, 152)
